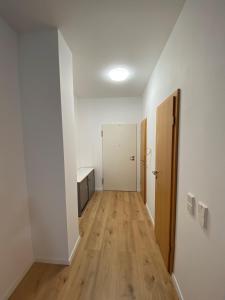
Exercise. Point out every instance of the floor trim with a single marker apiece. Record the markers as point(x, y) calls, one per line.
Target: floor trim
point(65, 262)
point(13, 286)
point(150, 215)
point(74, 250)
point(177, 287)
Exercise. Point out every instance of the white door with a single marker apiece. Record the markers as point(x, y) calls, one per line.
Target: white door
point(119, 157)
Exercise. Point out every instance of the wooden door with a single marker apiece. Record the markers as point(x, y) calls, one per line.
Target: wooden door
point(119, 157)
point(166, 176)
point(143, 162)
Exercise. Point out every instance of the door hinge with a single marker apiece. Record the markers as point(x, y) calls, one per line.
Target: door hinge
point(101, 133)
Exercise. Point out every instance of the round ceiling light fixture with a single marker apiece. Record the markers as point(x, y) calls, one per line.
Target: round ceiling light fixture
point(119, 74)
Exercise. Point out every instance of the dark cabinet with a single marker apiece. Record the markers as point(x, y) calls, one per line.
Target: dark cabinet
point(85, 187)
point(83, 195)
point(91, 184)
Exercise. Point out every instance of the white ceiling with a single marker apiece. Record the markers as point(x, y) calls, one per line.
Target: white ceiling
point(101, 34)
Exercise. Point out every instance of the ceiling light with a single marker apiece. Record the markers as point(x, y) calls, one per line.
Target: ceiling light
point(118, 74)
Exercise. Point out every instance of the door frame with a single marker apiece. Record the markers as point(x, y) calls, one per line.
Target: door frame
point(144, 121)
point(174, 169)
point(176, 113)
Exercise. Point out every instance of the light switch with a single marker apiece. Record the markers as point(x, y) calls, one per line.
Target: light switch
point(191, 203)
point(202, 214)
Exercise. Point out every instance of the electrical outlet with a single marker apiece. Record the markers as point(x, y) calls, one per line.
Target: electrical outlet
point(202, 214)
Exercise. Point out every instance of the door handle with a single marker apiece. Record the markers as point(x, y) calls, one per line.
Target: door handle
point(132, 157)
point(155, 172)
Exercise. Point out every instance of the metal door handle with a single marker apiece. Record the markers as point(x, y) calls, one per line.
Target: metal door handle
point(132, 157)
point(155, 172)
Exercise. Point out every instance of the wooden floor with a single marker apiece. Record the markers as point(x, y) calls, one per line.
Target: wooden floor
point(117, 258)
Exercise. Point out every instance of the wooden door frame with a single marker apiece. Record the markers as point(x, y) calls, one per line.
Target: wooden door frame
point(145, 158)
point(173, 183)
point(176, 114)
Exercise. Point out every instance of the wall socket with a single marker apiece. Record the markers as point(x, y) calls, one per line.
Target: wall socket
point(202, 214)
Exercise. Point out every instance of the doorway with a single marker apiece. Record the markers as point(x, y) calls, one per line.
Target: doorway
point(167, 126)
point(119, 143)
point(143, 161)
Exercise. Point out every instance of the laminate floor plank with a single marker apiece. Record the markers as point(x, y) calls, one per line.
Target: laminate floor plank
point(117, 257)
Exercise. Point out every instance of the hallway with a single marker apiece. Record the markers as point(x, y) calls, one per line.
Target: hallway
point(117, 258)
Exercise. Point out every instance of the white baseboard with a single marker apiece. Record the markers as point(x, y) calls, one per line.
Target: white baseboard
point(52, 261)
point(40, 260)
point(74, 250)
point(14, 285)
point(65, 262)
point(98, 189)
point(177, 287)
point(150, 215)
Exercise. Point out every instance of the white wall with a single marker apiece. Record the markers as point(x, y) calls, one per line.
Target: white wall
point(69, 140)
point(193, 60)
point(92, 113)
point(15, 235)
point(44, 101)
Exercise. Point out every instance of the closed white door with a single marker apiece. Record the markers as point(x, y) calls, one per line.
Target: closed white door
point(119, 157)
